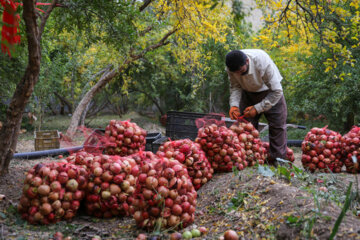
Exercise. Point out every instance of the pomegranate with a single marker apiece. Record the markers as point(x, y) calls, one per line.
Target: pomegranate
point(110, 192)
point(318, 148)
point(289, 152)
point(123, 138)
point(215, 141)
point(44, 204)
point(192, 156)
point(350, 150)
point(250, 141)
point(165, 196)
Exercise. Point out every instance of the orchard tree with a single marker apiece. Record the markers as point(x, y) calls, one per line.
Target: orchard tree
point(135, 28)
point(323, 39)
point(34, 24)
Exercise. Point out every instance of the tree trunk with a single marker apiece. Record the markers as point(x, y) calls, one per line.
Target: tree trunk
point(9, 133)
point(105, 78)
point(350, 121)
point(83, 116)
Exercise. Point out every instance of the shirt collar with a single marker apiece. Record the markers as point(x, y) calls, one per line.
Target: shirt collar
point(251, 66)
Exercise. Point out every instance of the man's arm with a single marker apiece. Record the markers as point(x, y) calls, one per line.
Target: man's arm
point(235, 91)
point(272, 79)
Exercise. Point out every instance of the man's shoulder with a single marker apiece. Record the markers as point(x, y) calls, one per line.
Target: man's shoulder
point(255, 52)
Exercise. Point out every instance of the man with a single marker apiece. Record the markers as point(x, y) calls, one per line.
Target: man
point(255, 88)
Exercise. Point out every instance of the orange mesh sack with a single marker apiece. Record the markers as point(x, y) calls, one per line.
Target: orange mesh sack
point(52, 192)
point(192, 156)
point(251, 145)
point(164, 197)
point(322, 150)
point(220, 144)
point(124, 138)
point(350, 146)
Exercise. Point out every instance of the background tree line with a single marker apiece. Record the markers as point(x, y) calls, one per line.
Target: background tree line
point(131, 55)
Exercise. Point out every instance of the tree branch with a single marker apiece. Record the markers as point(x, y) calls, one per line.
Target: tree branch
point(146, 3)
point(45, 17)
point(64, 100)
point(162, 42)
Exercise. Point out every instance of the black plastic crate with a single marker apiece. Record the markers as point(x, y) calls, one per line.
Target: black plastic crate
point(181, 125)
point(150, 138)
point(157, 143)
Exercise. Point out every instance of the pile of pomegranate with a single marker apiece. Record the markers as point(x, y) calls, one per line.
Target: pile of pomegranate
point(144, 156)
point(250, 142)
point(83, 159)
point(322, 150)
point(111, 184)
point(52, 192)
point(289, 152)
point(222, 147)
point(164, 196)
point(192, 156)
point(350, 145)
point(124, 138)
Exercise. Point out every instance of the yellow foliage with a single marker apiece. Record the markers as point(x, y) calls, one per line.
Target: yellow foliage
point(301, 37)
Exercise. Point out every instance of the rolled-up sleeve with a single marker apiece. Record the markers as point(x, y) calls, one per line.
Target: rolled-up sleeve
point(272, 79)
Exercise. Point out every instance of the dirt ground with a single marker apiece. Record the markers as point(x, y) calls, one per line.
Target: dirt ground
point(253, 203)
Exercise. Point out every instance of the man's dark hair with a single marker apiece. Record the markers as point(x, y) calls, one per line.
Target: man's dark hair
point(235, 59)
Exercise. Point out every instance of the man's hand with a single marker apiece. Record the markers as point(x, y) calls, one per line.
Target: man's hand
point(234, 113)
point(250, 112)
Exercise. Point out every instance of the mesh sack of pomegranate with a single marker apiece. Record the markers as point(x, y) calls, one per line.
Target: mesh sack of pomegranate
point(124, 138)
point(52, 192)
point(141, 156)
point(164, 197)
point(192, 156)
point(350, 146)
point(220, 144)
point(250, 142)
point(112, 181)
point(84, 159)
point(289, 152)
point(321, 150)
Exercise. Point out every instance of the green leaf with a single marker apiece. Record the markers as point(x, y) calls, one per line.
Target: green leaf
point(285, 172)
point(292, 219)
